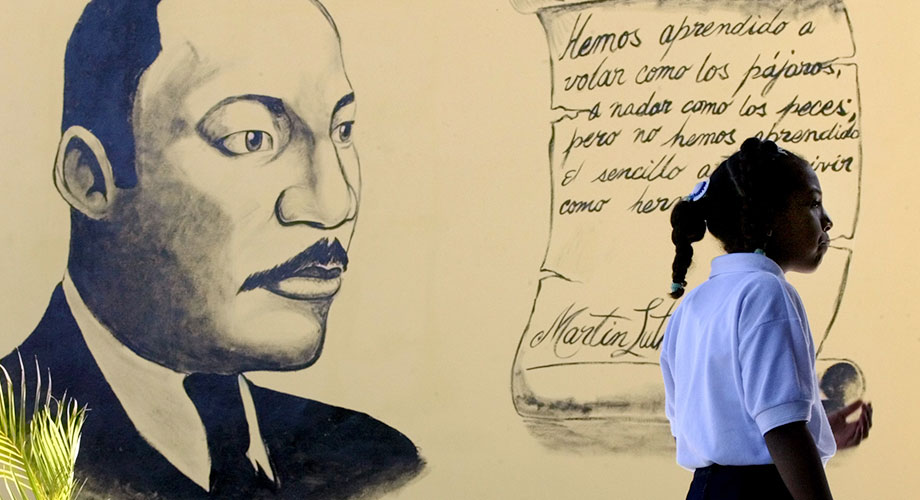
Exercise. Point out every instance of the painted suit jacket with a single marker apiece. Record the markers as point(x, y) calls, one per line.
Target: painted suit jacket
point(318, 451)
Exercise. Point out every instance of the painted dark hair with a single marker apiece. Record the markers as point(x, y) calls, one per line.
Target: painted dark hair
point(111, 46)
point(744, 194)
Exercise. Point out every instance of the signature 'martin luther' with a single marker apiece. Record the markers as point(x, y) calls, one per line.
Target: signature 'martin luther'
point(207, 158)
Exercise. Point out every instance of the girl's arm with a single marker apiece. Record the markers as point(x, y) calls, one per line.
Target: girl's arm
point(796, 457)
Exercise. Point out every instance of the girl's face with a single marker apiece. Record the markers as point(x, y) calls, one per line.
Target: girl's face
point(799, 238)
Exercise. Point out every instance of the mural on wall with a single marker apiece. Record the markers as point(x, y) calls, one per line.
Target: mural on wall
point(648, 98)
point(214, 187)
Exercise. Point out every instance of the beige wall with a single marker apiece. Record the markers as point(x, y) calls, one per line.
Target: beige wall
point(453, 110)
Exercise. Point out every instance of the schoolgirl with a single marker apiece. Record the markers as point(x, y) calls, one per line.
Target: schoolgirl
point(737, 357)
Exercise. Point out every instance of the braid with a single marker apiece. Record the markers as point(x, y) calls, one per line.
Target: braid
point(758, 159)
point(747, 164)
point(688, 225)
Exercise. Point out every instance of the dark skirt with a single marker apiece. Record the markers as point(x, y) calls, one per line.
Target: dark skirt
point(729, 482)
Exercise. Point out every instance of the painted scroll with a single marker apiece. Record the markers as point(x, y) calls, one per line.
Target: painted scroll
point(648, 98)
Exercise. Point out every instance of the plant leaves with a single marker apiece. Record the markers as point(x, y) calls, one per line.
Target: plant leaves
point(38, 457)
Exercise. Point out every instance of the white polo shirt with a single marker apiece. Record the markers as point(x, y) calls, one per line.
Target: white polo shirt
point(738, 360)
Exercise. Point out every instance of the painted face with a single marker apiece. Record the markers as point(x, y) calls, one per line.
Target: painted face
point(229, 251)
point(799, 240)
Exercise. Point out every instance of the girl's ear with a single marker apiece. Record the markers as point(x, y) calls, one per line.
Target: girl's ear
point(82, 173)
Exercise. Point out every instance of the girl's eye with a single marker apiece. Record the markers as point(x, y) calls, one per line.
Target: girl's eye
point(342, 133)
point(246, 142)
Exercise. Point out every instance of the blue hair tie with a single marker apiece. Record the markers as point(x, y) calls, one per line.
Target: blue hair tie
point(677, 286)
point(759, 251)
point(698, 191)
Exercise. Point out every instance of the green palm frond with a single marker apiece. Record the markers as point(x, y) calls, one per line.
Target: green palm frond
point(12, 466)
point(13, 437)
point(37, 458)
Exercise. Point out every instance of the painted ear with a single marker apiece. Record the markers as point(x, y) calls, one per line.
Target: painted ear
point(82, 173)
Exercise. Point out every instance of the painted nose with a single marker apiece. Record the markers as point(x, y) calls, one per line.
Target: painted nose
point(326, 199)
point(828, 223)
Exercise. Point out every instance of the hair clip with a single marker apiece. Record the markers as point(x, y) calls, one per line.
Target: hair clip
point(698, 191)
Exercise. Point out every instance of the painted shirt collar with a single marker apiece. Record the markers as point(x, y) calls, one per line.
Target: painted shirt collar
point(155, 400)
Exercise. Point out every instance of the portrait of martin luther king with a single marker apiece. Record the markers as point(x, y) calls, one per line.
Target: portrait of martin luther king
point(207, 158)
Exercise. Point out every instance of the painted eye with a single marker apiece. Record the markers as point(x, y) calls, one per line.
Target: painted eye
point(342, 133)
point(245, 142)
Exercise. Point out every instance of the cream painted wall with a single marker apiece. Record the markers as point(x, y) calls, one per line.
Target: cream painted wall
point(453, 111)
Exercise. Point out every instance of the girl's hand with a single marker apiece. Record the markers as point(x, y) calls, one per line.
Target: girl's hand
point(850, 434)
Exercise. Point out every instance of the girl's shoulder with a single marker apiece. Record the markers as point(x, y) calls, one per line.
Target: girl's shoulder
point(766, 297)
point(750, 296)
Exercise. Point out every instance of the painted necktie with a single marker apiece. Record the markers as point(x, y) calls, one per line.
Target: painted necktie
point(217, 399)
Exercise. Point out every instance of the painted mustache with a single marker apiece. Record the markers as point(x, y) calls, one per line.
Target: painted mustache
point(321, 260)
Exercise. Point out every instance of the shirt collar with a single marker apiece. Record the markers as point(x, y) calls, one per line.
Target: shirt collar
point(155, 400)
point(744, 262)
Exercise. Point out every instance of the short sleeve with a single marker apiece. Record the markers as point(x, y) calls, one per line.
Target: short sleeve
point(776, 373)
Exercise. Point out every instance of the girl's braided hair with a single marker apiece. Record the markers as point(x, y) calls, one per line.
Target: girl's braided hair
point(744, 195)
